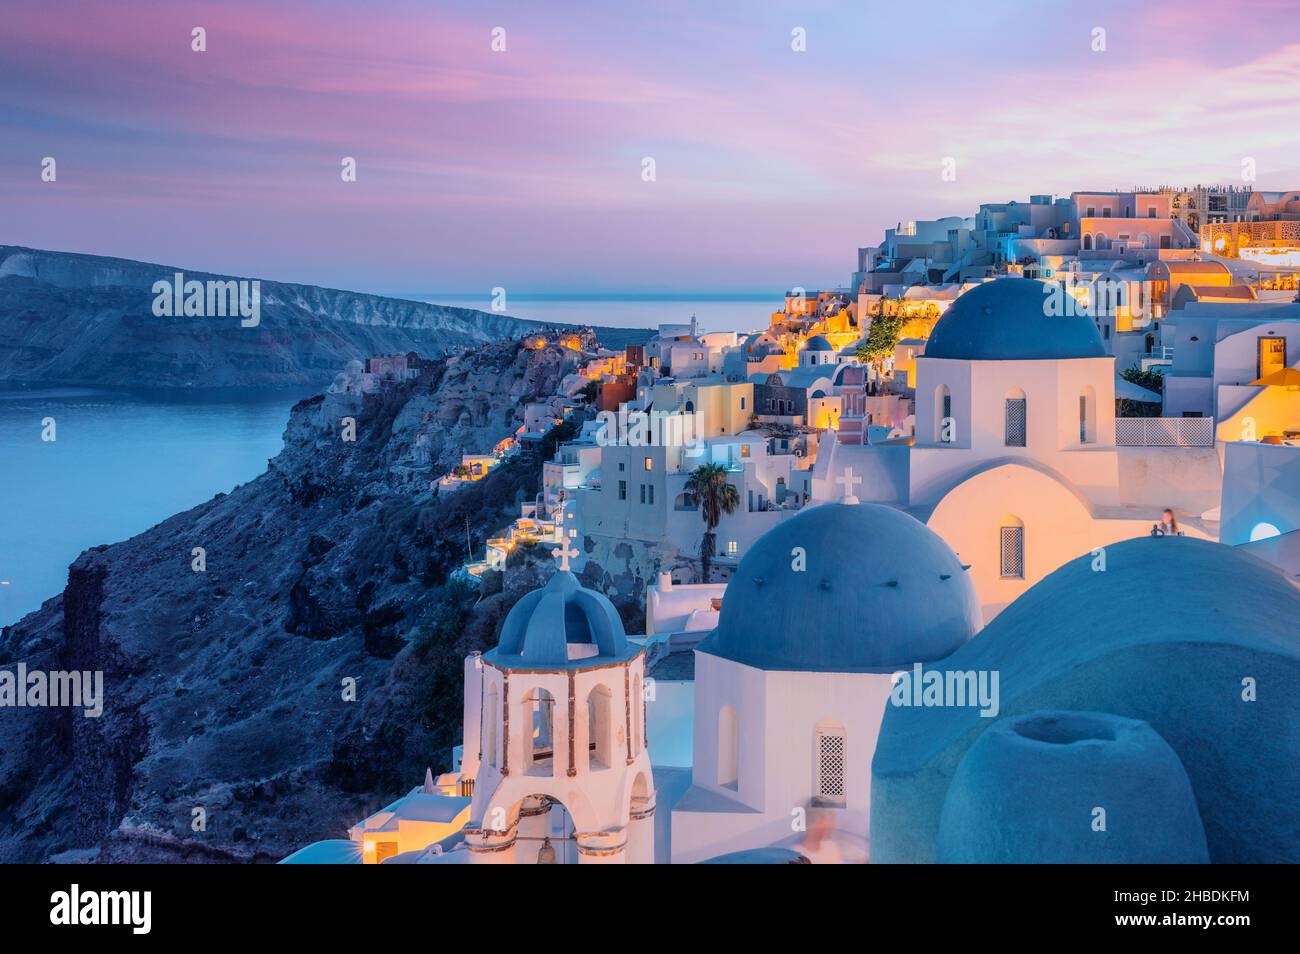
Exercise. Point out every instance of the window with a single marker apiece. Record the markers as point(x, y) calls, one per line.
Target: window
point(744, 450)
point(622, 465)
point(732, 548)
point(651, 494)
point(1012, 546)
point(943, 422)
point(540, 751)
point(600, 751)
point(728, 747)
point(742, 403)
point(622, 490)
point(490, 716)
point(1088, 416)
point(649, 463)
point(1092, 211)
point(1016, 420)
point(829, 758)
point(642, 493)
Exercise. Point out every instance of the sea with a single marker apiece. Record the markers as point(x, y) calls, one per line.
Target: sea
point(120, 462)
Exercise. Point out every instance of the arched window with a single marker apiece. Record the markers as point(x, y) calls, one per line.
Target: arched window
point(1011, 546)
point(599, 743)
point(638, 712)
point(830, 757)
point(685, 501)
point(945, 430)
point(539, 751)
point(1103, 241)
point(491, 715)
point(1088, 415)
point(1017, 418)
point(1087, 241)
point(728, 747)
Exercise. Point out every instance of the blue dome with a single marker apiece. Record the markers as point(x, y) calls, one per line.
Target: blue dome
point(1007, 320)
point(541, 627)
point(879, 592)
point(817, 343)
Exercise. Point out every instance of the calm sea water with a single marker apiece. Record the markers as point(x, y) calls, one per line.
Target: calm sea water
point(715, 312)
point(120, 464)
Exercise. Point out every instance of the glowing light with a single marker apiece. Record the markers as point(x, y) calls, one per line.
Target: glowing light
point(1263, 531)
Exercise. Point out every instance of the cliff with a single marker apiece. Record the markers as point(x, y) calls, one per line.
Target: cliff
point(224, 690)
point(87, 320)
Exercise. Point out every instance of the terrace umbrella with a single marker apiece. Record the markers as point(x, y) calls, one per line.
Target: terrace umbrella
point(1129, 391)
point(1286, 378)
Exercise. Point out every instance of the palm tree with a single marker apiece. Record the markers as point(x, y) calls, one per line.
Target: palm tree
point(714, 496)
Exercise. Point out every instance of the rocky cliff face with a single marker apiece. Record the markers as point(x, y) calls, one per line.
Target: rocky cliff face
point(225, 688)
point(89, 321)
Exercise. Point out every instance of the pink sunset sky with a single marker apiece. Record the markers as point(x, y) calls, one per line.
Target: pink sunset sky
point(522, 168)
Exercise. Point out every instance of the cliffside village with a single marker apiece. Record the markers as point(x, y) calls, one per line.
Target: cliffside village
point(1035, 383)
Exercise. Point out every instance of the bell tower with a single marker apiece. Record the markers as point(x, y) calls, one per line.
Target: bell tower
point(562, 757)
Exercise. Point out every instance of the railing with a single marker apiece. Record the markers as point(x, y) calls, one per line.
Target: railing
point(1164, 431)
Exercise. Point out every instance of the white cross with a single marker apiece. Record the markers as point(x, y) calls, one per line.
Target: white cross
point(849, 482)
point(563, 552)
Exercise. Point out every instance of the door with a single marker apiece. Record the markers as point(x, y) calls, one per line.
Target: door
point(1272, 356)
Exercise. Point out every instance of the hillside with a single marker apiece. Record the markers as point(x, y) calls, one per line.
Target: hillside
point(71, 319)
point(224, 689)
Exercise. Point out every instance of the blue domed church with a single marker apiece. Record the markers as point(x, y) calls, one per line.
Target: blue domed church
point(1014, 460)
point(791, 687)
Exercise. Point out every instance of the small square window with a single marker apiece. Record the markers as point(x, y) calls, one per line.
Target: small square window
point(649, 463)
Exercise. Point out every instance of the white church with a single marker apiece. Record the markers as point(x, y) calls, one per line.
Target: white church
point(561, 717)
point(1015, 462)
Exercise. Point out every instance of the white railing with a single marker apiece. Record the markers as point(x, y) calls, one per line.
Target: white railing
point(1164, 431)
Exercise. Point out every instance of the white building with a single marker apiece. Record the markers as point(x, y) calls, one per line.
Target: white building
point(1015, 461)
point(791, 687)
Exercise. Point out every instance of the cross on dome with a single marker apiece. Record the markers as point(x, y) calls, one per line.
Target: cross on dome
point(563, 552)
point(849, 482)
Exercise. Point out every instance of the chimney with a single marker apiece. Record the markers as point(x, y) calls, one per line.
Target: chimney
point(665, 582)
